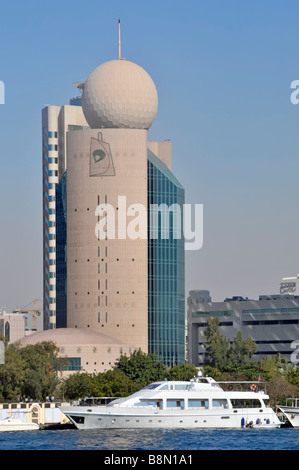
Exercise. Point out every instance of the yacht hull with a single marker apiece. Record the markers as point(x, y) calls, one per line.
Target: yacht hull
point(292, 415)
point(16, 425)
point(100, 417)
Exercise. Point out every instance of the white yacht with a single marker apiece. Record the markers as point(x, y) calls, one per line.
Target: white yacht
point(15, 424)
point(200, 403)
point(291, 411)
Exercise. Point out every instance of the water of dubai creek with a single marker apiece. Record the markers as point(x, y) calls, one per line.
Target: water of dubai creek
point(152, 439)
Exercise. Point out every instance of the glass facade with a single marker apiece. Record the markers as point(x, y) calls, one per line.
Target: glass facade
point(76, 101)
point(7, 332)
point(70, 363)
point(166, 264)
point(61, 298)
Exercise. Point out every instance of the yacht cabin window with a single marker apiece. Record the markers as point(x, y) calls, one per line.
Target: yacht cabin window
point(221, 403)
point(198, 403)
point(154, 403)
point(151, 386)
point(240, 403)
point(175, 403)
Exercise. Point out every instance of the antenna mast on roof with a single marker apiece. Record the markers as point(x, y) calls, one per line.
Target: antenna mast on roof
point(119, 46)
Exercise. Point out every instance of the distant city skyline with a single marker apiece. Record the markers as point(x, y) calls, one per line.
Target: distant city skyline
point(224, 75)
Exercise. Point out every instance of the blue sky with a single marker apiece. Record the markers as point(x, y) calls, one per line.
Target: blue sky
point(223, 71)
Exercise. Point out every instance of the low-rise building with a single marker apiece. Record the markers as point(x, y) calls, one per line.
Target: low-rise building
point(272, 322)
point(12, 326)
point(85, 350)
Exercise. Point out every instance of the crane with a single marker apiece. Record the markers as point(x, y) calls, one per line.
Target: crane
point(36, 313)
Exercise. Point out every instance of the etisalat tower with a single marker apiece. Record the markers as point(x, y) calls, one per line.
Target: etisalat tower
point(106, 267)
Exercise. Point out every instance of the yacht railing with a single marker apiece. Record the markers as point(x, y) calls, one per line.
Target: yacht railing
point(236, 385)
point(292, 402)
point(97, 401)
point(243, 385)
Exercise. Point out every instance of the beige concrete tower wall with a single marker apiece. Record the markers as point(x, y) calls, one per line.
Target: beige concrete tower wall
point(107, 280)
point(69, 116)
point(162, 150)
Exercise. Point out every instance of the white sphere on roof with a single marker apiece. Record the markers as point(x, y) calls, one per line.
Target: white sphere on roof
point(119, 94)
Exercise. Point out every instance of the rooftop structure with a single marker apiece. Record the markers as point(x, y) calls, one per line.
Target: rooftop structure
point(290, 285)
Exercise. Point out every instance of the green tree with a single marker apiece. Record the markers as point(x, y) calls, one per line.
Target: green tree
point(249, 370)
point(141, 367)
point(293, 377)
point(31, 372)
point(268, 367)
point(241, 350)
point(12, 374)
point(41, 370)
point(223, 355)
point(78, 385)
point(279, 389)
point(113, 383)
point(213, 372)
point(216, 345)
point(273, 367)
point(182, 372)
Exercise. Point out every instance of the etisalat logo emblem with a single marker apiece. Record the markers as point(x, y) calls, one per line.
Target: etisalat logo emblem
point(100, 161)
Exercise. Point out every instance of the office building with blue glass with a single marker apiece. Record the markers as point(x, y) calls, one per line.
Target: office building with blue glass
point(166, 281)
point(128, 286)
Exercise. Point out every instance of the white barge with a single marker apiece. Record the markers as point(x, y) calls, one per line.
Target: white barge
point(291, 411)
point(200, 403)
point(15, 424)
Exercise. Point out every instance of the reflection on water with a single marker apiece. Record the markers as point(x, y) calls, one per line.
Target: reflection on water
point(152, 439)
